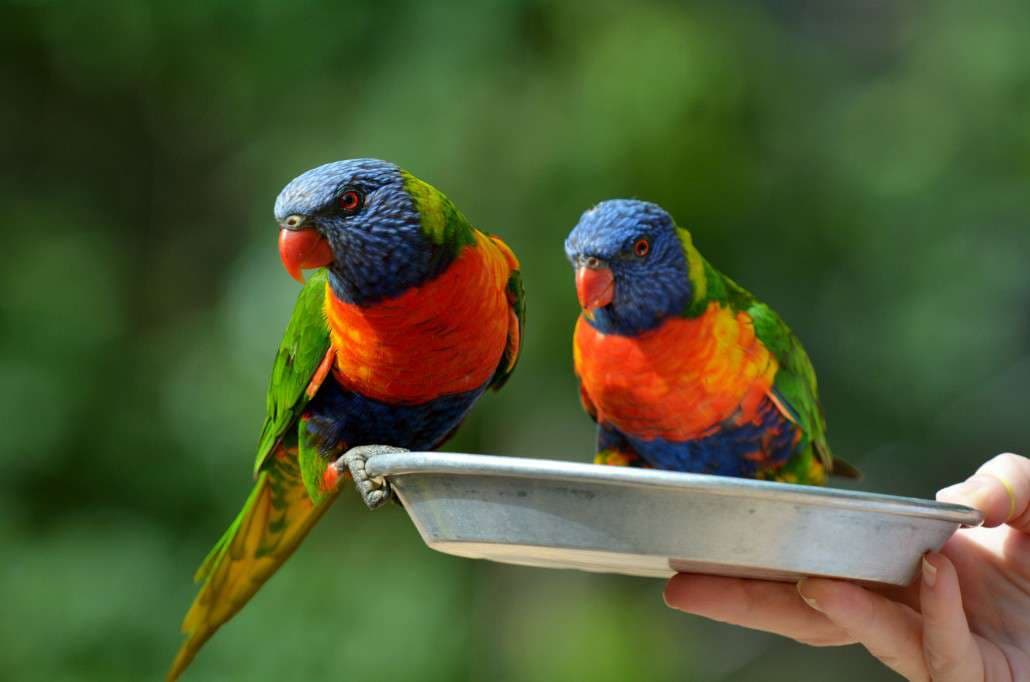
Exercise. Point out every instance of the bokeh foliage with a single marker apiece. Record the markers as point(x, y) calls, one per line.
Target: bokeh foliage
point(863, 168)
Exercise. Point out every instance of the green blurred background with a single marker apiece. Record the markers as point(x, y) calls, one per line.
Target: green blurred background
point(864, 169)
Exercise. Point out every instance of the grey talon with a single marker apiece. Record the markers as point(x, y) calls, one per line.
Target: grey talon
point(374, 491)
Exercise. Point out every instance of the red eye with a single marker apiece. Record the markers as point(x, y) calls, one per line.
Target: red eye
point(642, 247)
point(350, 201)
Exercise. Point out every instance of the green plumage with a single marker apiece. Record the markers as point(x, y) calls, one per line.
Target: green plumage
point(795, 381)
point(279, 511)
point(442, 222)
point(302, 349)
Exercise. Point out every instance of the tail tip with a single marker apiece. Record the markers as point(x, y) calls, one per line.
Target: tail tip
point(845, 469)
point(181, 662)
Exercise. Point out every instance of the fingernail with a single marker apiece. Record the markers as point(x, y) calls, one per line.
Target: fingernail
point(929, 573)
point(669, 598)
point(971, 492)
point(808, 600)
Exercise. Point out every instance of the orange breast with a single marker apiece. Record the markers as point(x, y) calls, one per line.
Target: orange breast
point(444, 337)
point(678, 382)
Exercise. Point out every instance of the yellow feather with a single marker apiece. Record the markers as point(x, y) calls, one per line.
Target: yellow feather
point(695, 265)
point(277, 516)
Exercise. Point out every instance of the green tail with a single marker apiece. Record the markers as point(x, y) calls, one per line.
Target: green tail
point(273, 522)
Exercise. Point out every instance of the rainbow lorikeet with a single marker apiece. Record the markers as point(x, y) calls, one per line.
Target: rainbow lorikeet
point(681, 368)
point(415, 314)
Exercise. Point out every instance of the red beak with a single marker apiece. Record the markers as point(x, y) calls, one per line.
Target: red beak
point(595, 287)
point(300, 249)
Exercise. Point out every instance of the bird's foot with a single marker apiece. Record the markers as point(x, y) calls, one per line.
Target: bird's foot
point(374, 491)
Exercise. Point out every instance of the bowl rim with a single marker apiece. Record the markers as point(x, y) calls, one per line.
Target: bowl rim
point(392, 465)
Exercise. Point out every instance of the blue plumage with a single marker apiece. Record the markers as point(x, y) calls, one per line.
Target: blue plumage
point(724, 453)
point(379, 252)
point(339, 418)
point(647, 289)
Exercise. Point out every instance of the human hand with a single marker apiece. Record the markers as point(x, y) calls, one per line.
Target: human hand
point(966, 620)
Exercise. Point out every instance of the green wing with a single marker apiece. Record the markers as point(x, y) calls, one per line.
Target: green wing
point(795, 384)
point(302, 350)
point(280, 511)
point(795, 381)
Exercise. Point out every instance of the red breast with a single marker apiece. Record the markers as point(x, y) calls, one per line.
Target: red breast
point(677, 382)
point(443, 337)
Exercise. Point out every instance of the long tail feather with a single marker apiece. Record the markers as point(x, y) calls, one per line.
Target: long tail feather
point(273, 521)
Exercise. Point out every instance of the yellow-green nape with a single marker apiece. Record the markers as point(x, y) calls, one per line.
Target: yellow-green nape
point(442, 223)
point(695, 265)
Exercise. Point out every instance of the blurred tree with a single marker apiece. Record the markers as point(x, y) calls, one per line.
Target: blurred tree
point(864, 170)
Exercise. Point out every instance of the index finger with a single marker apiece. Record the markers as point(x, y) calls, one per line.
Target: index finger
point(756, 604)
point(1000, 489)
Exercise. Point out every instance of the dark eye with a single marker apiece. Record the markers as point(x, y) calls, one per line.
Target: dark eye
point(351, 201)
point(642, 247)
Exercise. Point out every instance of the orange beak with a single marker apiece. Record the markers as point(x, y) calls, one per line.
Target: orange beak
point(595, 287)
point(300, 249)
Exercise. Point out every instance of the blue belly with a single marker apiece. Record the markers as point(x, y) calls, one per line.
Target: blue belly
point(728, 452)
point(340, 418)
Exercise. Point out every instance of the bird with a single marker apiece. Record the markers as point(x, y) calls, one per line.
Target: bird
point(410, 316)
point(681, 368)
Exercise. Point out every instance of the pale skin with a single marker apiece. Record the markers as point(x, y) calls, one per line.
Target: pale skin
point(967, 619)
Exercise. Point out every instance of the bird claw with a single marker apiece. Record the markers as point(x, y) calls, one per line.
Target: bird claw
point(374, 491)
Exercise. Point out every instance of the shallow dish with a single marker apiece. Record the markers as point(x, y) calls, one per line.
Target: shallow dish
point(643, 522)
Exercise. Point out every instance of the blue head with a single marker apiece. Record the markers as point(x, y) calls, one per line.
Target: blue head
point(358, 218)
point(631, 266)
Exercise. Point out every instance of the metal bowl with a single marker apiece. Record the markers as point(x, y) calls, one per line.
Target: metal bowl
point(656, 523)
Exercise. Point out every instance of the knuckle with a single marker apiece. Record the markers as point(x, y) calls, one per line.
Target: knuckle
point(940, 664)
